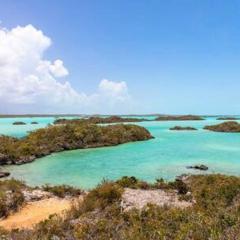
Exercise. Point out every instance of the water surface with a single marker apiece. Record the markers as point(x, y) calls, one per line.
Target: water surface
point(167, 155)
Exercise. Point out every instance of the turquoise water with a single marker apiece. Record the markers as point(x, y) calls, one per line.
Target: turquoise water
point(167, 156)
point(7, 128)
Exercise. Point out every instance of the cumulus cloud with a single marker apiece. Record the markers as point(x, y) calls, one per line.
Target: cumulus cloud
point(28, 81)
point(57, 69)
point(118, 90)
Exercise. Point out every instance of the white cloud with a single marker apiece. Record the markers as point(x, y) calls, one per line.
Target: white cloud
point(118, 90)
point(57, 69)
point(28, 82)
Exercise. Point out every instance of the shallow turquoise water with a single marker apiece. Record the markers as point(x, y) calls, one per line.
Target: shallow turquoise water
point(7, 127)
point(165, 156)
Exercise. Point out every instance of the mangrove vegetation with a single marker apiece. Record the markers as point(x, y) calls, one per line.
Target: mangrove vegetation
point(58, 138)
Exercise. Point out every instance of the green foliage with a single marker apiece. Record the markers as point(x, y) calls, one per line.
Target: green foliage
point(179, 118)
point(98, 120)
point(66, 137)
point(63, 190)
point(126, 181)
point(11, 197)
point(102, 196)
point(213, 191)
point(180, 186)
point(214, 216)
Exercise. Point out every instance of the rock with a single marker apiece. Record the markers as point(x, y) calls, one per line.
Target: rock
point(199, 167)
point(139, 198)
point(183, 177)
point(4, 159)
point(19, 123)
point(34, 122)
point(36, 195)
point(25, 159)
point(4, 174)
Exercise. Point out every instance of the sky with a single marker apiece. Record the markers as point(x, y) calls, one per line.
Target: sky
point(120, 57)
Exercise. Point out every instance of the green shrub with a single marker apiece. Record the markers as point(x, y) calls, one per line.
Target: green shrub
point(180, 186)
point(63, 190)
point(103, 195)
point(126, 181)
point(215, 215)
point(11, 196)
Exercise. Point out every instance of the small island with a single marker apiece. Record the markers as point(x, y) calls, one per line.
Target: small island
point(99, 120)
point(34, 122)
point(198, 167)
point(179, 118)
point(179, 128)
point(231, 126)
point(19, 123)
point(58, 138)
point(228, 118)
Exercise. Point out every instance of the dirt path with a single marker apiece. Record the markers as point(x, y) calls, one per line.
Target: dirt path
point(34, 212)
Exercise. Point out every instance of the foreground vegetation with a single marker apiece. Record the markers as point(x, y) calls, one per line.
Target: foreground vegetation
point(11, 196)
point(215, 214)
point(45, 141)
point(230, 126)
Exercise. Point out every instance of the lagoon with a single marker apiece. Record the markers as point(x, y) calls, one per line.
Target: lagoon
point(167, 155)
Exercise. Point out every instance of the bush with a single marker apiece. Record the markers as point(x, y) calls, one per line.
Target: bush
point(63, 190)
point(180, 186)
point(103, 195)
point(127, 182)
point(11, 196)
point(215, 215)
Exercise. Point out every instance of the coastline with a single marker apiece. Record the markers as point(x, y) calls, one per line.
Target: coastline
point(59, 138)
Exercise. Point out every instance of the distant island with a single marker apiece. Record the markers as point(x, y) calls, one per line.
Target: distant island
point(52, 139)
point(228, 118)
point(99, 120)
point(179, 128)
point(230, 126)
point(179, 118)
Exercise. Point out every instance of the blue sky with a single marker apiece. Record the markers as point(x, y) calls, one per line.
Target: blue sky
point(175, 56)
